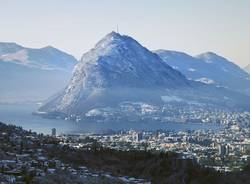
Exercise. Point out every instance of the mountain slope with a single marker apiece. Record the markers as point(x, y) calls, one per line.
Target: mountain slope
point(208, 68)
point(247, 69)
point(32, 74)
point(119, 76)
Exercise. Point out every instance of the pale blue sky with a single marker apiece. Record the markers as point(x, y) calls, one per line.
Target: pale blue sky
point(192, 26)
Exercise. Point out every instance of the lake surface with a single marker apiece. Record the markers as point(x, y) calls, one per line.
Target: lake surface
point(21, 115)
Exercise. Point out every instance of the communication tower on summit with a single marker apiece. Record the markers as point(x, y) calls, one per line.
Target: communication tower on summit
point(117, 28)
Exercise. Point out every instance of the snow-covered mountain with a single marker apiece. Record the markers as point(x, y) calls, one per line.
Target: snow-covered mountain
point(208, 68)
point(28, 74)
point(48, 58)
point(119, 75)
point(247, 68)
point(116, 63)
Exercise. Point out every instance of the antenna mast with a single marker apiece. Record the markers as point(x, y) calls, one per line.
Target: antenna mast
point(117, 28)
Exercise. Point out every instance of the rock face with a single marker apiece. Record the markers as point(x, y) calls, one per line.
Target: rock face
point(208, 68)
point(32, 74)
point(119, 76)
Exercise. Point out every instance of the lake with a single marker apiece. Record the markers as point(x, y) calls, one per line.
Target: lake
point(21, 115)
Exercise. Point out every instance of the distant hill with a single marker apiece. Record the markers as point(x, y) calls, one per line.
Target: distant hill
point(28, 74)
point(208, 68)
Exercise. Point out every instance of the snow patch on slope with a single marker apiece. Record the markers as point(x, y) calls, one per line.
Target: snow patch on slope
point(205, 80)
point(19, 57)
point(191, 69)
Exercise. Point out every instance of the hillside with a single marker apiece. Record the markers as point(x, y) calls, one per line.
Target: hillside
point(28, 74)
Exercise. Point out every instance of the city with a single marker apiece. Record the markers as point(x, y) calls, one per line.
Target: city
point(125, 92)
point(27, 156)
point(226, 151)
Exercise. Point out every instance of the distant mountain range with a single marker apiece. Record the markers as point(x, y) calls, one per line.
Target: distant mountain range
point(119, 76)
point(32, 74)
point(208, 68)
point(247, 68)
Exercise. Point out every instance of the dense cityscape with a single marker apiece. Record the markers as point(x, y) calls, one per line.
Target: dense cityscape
point(226, 150)
point(25, 158)
point(25, 155)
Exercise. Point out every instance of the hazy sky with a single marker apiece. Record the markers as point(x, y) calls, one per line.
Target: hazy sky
point(192, 26)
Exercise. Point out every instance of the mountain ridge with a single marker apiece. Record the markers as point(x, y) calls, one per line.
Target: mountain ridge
point(45, 58)
point(209, 68)
point(35, 73)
